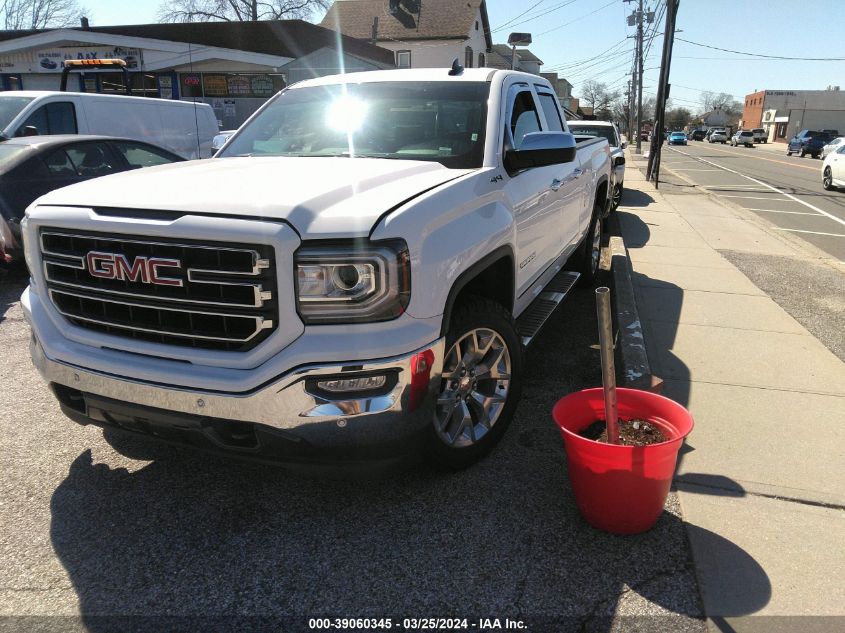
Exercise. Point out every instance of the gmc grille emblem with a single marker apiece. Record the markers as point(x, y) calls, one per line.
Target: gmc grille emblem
point(143, 269)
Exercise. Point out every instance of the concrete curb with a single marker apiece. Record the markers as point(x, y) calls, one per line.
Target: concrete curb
point(633, 367)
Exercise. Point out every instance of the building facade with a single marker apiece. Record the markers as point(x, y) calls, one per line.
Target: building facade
point(784, 113)
point(430, 34)
point(233, 66)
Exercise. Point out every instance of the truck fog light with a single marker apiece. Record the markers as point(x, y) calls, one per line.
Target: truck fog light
point(345, 385)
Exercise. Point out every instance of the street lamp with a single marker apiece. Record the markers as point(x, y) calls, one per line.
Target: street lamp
point(514, 39)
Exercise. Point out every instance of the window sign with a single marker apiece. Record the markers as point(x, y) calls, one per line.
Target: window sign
point(262, 86)
point(238, 85)
point(215, 85)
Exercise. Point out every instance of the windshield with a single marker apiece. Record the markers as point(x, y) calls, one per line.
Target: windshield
point(8, 153)
point(595, 130)
point(431, 121)
point(10, 107)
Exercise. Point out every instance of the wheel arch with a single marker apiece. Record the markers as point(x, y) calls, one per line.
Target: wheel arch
point(492, 277)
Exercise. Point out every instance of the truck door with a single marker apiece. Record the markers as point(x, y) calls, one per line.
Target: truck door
point(570, 185)
point(529, 191)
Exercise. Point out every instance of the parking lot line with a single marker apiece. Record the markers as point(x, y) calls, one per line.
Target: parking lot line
point(788, 212)
point(771, 160)
point(770, 187)
point(811, 232)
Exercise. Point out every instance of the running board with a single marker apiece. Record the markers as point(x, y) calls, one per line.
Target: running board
point(531, 321)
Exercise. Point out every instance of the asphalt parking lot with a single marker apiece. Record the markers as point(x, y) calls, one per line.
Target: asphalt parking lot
point(96, 528)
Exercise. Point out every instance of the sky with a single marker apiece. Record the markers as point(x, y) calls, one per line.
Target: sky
point(586, 40)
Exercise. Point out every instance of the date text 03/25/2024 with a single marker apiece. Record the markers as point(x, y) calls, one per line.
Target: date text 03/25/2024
point(416, 624)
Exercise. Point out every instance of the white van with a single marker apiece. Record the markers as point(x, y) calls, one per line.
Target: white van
point(183, 127)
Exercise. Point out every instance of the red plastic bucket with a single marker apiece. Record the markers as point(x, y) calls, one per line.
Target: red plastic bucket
point(621, 489)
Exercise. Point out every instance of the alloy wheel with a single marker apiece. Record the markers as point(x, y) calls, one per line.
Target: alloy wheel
point(595, 247)
point(474, 387)
point(827, 179)
point(617, 197)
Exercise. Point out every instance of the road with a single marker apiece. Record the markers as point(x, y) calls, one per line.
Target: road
point(785, 190)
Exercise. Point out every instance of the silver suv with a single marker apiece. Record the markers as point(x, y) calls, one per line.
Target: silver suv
point(718, 136)
point(743, 137)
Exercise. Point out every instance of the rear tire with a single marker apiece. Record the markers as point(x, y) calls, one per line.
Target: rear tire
point(803, 153)
point(481, 384)
point(589, 253)
point(788, 153)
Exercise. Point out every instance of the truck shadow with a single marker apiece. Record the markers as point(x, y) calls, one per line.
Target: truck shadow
point(12, 284)
point(204, 537)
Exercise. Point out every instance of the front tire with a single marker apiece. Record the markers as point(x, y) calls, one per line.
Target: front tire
point(827, 179)
point(589, 253)
point(617, 197)
point(480, 385)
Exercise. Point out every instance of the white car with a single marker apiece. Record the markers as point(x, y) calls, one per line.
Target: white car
point(832, 146)
point(608, 130)
point(833, 169)
point(718, 136)
point(743, 137)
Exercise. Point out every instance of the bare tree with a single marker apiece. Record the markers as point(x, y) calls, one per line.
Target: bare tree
point(39, 14)
point(238, 10)
point(720, 101)
point(596, 95)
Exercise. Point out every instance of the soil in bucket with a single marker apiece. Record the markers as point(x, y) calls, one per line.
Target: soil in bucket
point(633, 432)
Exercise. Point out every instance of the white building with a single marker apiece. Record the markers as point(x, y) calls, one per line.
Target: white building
point(421, 34)
point(233, 66)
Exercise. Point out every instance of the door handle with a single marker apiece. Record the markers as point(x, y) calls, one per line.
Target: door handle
point(557, 183)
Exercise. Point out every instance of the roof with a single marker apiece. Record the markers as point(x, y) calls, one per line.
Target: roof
point(436, 19)
point(47, 140)
point(283, 38)
point(403, 74)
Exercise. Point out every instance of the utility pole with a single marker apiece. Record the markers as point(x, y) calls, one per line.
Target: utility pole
point(653, 170)
point(637, 18)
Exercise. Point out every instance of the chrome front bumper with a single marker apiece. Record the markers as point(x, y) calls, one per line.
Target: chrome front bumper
point(290, 405)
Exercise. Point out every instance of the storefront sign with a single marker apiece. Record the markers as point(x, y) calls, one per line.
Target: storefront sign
point(50, 60)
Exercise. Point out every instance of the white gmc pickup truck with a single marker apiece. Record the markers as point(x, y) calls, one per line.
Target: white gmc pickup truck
point(353, 277)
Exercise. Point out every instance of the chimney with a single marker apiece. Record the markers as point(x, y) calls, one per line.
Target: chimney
point(84, 22)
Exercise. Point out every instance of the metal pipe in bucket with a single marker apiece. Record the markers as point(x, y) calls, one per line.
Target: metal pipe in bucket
point(608, 370)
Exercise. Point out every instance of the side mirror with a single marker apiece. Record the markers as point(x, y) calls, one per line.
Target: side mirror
point(539, 149)
point(30, 130)
point(624, 144)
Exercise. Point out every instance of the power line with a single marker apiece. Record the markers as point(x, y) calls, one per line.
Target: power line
point(535, 16)
point(578, 18)
point(528, 10)
point(801, 59)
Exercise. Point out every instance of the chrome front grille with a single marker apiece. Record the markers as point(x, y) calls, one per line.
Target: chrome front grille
point(206, 295)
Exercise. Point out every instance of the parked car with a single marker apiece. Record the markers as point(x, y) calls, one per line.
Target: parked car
point(179, 126)
point(807, 142)
point(330, 306)
point(832, 145)
point(34, 165)
point(609, 131)
point(760, 135)
point(743, 137)
point(833, 169)
point(220, 139)
point(718, 136)
point(698, 135)
point(677, 138)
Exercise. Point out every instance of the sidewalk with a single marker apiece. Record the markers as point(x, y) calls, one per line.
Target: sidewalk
point(761, 478)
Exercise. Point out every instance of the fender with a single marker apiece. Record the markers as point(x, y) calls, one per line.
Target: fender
point(502, 252)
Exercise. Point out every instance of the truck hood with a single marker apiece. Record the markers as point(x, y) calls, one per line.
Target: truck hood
point(320, 197)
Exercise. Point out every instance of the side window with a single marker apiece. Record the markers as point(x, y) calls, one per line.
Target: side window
point(61, 118)
point(38, 120)
point(403, 59)
point(524, 119)
point(53, 118)
point(138, 155)
point(58, 163)
point(549, 104)
point(91, 159)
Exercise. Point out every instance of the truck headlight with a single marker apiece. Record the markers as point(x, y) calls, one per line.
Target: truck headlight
point(352, 281)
